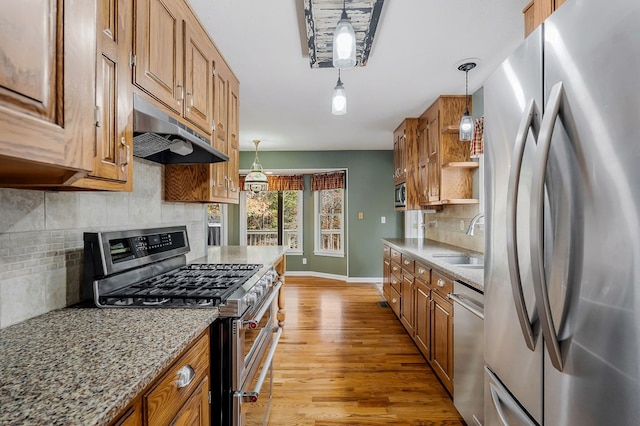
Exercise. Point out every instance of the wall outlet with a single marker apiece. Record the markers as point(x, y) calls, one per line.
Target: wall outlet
point(360, 215)
point(304, 260)
point(383, 219)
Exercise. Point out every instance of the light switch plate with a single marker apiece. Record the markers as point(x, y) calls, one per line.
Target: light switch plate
point(360, 215)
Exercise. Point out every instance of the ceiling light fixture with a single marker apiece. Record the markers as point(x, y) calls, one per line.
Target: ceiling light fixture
point(339, 98)
point(256, 181)
point(344, 42)
point(466, 122)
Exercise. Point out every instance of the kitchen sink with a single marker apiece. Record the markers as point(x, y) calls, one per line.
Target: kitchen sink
point(464, 260)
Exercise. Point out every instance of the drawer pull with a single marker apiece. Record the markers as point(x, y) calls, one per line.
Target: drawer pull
point(394, 300)
point(440, 283)
point(185, 376)
point(421, 271)
point(395, 268)
point(406, 262)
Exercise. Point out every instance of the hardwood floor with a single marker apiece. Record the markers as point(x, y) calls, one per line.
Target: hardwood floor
point(345, 360)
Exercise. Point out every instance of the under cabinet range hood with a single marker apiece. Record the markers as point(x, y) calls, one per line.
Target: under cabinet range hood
point(161, 138)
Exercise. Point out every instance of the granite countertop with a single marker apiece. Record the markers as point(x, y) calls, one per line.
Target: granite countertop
point(82, 366)
point(425, 249)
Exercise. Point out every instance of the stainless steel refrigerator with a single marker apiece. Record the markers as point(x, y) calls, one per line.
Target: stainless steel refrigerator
point(562, 255)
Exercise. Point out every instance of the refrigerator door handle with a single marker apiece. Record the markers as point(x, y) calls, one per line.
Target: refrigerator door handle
point(500, 396)
point(537, 226)
point(529, 120)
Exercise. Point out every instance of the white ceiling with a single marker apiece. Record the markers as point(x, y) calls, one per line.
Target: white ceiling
point(417, 47)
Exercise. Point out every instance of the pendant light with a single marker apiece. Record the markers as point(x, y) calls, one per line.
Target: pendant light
point(466, 122)
point(344, 42)
point(339, 98)
point(256, 181)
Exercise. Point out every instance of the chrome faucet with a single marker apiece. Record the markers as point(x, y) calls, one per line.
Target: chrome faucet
point(472, 224)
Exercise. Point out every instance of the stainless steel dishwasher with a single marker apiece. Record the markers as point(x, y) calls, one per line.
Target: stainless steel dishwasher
point(468, 353)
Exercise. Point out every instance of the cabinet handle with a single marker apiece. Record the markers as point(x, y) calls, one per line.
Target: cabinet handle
point(421, 271)
point(394, 300)
point(440, 283)
point(185, 376)
point(123, 142)
point(190, 95)
point(181, 89)
point(406, 262)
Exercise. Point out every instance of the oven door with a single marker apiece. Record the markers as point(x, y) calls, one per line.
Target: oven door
point(255, 342)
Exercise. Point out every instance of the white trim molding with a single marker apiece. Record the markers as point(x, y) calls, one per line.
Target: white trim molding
point(361, 280)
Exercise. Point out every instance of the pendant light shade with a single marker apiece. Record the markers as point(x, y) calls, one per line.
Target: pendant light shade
point(466, 122)
point(344, 42)
point(256, 181)
point(339, 99)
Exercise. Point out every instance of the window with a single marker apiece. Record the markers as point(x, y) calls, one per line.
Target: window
point(272, 218)
point(329, 222)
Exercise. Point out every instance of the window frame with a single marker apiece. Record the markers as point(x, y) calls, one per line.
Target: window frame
point(317, 232)
point(300, 217)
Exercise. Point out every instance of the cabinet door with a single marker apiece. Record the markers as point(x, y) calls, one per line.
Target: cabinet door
point(132, 416)
point(407, 302)
point(433, 166)
point(442, 340)
point(46, 90)
point(422, 324)
point(195, 412)
point(220, 117)
point(386, 274)
point(198, 72)
point(113, 92)
point(423, 162)
point(159, 57)
point(233, 192)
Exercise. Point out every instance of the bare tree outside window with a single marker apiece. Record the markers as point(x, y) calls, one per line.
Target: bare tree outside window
point(263, 219)
point(330, 219)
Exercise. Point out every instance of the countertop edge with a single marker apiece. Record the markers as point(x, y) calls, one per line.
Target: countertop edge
point(420, 249)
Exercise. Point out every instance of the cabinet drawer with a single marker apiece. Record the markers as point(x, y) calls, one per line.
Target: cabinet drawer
point(441, 284)
point(396, 282)
point(166, 398)
point(408, 264)
point(386, 251)
point(394, 301)
point(395, 256)
point(422, 272)
point(396, 269)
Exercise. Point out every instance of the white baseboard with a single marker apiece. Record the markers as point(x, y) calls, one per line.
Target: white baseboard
point(375, 280)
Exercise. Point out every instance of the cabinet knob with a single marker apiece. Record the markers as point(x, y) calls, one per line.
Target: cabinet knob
point(394, 300)
point(440, 283)
point(185, 376)
point(406, 262)
point(421, 271)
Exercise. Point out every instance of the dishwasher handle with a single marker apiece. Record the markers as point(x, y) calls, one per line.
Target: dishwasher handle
point(470, 304)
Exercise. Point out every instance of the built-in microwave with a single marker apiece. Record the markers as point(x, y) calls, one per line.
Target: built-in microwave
point(401, 195)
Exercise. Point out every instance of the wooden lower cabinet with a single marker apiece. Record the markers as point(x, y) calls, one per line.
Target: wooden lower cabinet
point(418, 295)
point(442, 340)
point(165, 401)
point(423, 319)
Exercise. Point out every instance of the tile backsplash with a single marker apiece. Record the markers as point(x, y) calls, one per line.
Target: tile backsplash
point(41, 246)
point(450, 226)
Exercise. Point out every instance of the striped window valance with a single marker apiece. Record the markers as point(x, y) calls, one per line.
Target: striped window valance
point(334, 180)
point(281, 183)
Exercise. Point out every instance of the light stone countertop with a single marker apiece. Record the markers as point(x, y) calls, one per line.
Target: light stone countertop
point(83, 366)
point(423, 249)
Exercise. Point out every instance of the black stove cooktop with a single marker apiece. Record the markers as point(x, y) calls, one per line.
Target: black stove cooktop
point(195, 285)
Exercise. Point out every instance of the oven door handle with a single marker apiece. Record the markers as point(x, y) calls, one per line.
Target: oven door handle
point(255, 321)
point(253, 395)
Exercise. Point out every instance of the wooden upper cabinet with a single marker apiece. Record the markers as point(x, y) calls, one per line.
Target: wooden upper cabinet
point(536, 11)
point(199, 65)
point(46, 91)
point(220, 120)
point(159, 56)
point(406, 160)
point(112, 166)
point(448, 167)
point(233, 191)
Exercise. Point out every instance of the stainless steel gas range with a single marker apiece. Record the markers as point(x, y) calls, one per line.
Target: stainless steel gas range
point(148, 269)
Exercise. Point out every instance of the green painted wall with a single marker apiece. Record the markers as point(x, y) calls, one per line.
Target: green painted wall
point(369, 190)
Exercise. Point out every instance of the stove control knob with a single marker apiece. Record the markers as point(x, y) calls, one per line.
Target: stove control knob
point(251, 299)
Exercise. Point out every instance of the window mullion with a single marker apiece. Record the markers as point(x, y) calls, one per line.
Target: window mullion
point(280, 218)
